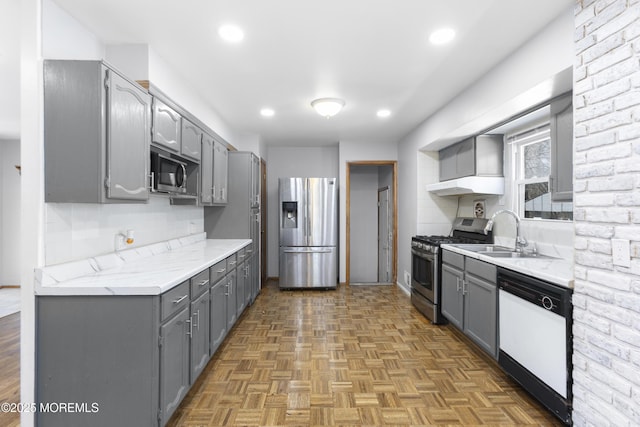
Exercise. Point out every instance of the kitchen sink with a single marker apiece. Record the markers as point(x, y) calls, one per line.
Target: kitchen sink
point(512, 254)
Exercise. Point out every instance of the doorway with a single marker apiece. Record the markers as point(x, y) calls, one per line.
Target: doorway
point(9, 227)
point(371, 226)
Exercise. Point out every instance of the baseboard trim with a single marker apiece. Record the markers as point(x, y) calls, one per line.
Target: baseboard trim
point(9, 286)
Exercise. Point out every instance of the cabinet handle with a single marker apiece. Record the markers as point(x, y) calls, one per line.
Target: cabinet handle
point(151, 181)
point(464, 287)
point(198, 317)
point(179, 300)
point(222, 270)
point(227, 293)
point(222, 193)
point(204, 282)
point(190, 332)
point(457, 284)
point(233, 262)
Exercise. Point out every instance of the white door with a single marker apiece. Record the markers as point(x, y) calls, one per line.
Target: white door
point(384, 237)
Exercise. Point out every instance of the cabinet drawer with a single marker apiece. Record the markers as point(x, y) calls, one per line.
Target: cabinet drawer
point(453, 259)
point(482, 269)
point(174, 300)
point(200, 283)
point(248, 250)
point(232, 262)
point(218, 271)
point(241, 255)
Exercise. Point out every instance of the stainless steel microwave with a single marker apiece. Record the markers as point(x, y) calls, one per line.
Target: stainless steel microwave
point(168, 175)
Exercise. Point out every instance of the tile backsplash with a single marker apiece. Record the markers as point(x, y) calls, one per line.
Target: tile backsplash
point(81, 230)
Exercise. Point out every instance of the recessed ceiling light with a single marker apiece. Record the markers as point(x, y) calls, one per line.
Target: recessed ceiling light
point(267, 112)
point(442, 36)
point(384, 113)
point(231, 33)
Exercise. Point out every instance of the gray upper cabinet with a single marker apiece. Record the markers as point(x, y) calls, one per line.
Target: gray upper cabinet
point(480, 155)
point(191, 137)
point(97, 134)
point(206, 171)
point(220, 173)
point(561, 177)
point(167, 125)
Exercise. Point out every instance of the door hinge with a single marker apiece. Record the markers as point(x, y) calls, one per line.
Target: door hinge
point(160, 340)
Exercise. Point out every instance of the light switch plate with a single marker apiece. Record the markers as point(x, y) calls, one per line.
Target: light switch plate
point(621, 253)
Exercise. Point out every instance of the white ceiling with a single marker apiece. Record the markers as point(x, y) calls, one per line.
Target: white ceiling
point(372, 53)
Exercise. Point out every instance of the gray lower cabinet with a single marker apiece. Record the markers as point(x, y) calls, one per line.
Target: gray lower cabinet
point(174, 363)
point(469, 298)
point(200, 335)
point(96, 134)
point(232, 290)
point(452, 297)
point(218, 315)
point(135, 357)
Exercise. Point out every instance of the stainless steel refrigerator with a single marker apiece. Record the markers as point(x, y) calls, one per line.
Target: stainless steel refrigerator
point(308, 232)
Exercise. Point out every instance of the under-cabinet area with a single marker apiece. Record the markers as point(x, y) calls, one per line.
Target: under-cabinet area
point(140, 344)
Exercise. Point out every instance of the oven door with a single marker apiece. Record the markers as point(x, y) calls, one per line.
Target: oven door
point(424, 274)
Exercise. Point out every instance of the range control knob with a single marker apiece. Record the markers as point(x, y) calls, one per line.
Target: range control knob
point(547, 302)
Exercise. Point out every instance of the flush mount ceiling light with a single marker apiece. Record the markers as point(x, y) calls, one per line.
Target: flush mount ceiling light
point(327, 107)
point(442, 36)
point(267, 112)
point(383, 113)
point(231, 33)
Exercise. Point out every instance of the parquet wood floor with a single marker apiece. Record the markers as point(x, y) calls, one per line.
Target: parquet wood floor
point(10, 367)
point(351, 357)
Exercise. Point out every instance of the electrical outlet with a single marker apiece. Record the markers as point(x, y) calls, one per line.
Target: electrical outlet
point(620, 251)
point(407, 278)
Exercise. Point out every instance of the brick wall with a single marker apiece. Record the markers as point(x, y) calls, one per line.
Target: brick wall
point(607, 205)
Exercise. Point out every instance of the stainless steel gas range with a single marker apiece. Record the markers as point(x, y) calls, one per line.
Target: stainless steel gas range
point(426, 264)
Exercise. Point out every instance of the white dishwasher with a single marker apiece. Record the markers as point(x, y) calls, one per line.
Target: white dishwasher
point(535, 338)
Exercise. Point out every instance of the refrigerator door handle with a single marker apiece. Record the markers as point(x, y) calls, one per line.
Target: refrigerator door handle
point(307, 251)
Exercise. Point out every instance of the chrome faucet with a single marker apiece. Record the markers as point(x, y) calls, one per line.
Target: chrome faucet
point(521, 242)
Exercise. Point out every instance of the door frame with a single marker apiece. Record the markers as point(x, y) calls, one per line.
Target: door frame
point(394, 259)
point(382, 190)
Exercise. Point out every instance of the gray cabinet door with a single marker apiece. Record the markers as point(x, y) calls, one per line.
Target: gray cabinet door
point(128, 121)
point(232, 312)
point(452, 298)
point(248, 292)
point(199, 335)
point(561, 177)
point(255, 181)
point(174, 363)
point(480, 312)
point(218, 314)
point(241, 286)
point(255, 276)
point(166, 126)
point(458, 160)
point(220, 172)
point(191, 137)
point(206, 171)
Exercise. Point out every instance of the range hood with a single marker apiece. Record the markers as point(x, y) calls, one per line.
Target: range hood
point(468, 185)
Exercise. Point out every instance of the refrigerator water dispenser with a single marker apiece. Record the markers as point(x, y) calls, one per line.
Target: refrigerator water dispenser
point(289, 214)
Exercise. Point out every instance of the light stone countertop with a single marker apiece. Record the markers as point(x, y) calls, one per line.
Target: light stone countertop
point(558, 271)
point(146, 270)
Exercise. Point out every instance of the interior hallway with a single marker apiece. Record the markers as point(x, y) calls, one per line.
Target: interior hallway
point(359, 355)
point(10, 367)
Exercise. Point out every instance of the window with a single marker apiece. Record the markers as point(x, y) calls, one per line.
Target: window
point(531, 150)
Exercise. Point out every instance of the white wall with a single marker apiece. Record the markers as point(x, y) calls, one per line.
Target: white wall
point(9, 212)
point(353, 151)
point(9, 69)
point(538, 70)
point(364, 224)
point(304, 162)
